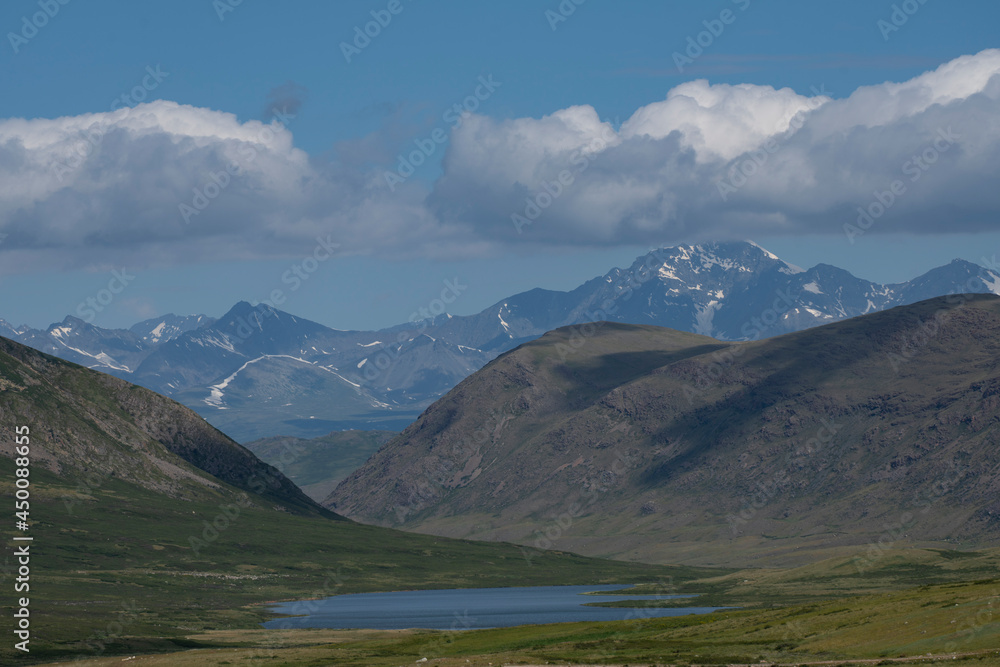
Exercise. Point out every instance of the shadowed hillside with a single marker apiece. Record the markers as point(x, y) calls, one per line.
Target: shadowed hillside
point(648, 443)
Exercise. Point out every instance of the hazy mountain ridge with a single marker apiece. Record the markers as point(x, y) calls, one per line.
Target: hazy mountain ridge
point(259, 372)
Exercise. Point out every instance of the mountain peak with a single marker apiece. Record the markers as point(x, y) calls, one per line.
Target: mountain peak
point(8, 329)
point(70, 322)
point(244, 311)
point(731, 262)
point(763, 250)
point(167, 327)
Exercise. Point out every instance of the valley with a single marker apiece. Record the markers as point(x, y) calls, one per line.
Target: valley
point(157, 562)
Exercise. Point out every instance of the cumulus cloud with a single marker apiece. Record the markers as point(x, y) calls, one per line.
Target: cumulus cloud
point(163, 183)
point(745, 160)
point(720, 121)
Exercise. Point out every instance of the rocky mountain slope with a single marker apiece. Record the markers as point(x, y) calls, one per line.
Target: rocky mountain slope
point(649, 443)
point(92, 428)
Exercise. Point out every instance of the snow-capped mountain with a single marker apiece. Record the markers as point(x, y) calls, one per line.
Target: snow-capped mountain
point(113, 351)
point(260, 372)
point(168, 327)
point(731, 291)
point(8, 330)
point(739, 291)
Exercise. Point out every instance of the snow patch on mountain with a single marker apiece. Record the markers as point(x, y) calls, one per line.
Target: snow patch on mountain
point(157, 333)
point(704, 316)
point(992, 281)
point(666, 273)
point(503, 323)
point(217, 391)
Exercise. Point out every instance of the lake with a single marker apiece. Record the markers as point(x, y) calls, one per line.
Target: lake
point(466, 609)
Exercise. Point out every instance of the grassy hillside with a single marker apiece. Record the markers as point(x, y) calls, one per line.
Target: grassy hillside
point(646, 443)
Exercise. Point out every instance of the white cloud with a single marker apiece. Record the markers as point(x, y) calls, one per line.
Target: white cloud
point(114, 199)
point(818, 159)
point(719, 121)
point(108, 189)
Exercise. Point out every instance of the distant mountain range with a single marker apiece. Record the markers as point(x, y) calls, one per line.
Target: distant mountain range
point(644, 443)
point(257, 373)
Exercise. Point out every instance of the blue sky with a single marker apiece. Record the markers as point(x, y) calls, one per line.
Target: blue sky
point(348, 122)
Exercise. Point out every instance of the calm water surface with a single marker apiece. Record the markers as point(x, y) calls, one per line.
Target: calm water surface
point(464, 609)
